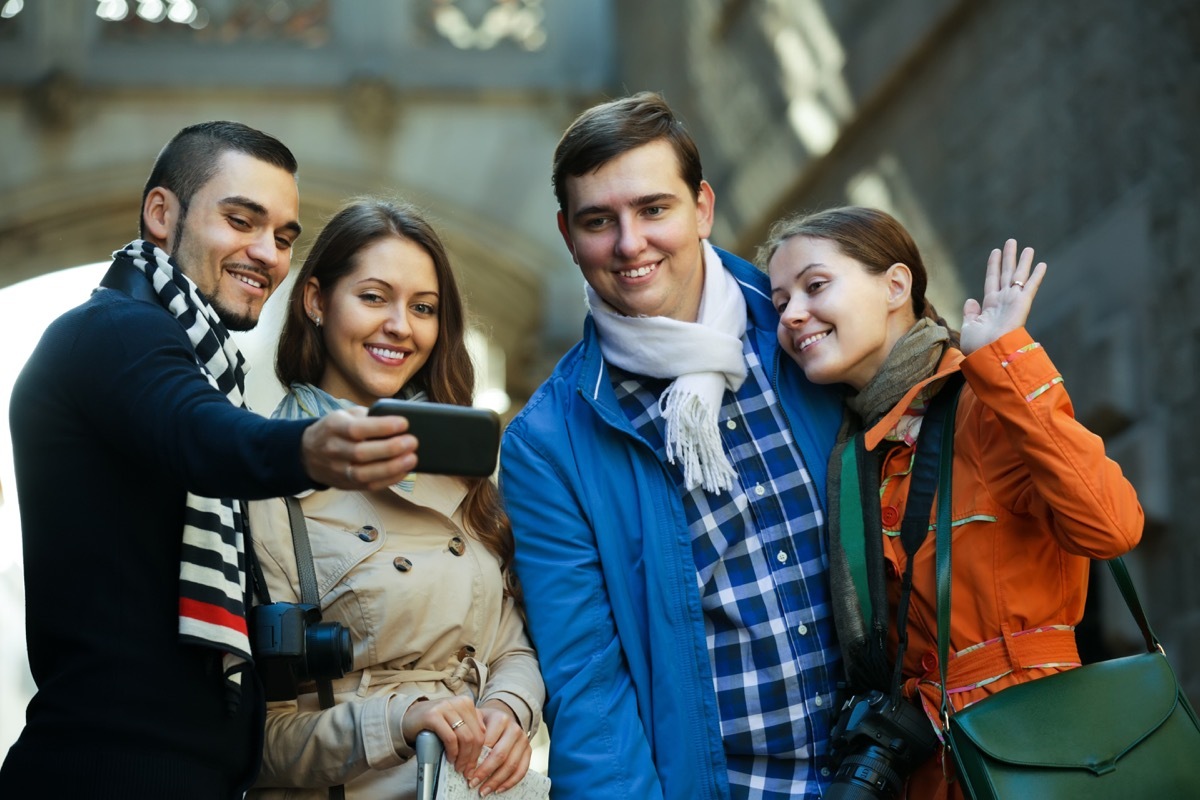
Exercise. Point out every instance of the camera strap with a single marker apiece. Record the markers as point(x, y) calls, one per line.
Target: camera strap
point(914, 529)
point(305, 571)
point(307, 575)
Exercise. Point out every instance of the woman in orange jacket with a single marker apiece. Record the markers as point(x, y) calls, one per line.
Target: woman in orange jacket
point(1034, 497)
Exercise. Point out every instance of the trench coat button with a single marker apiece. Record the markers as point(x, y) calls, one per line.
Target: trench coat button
point(929, 661)
point(465, 652)
point(458, 546)
point(889, 516)
point(401, 563)
point(368, 533)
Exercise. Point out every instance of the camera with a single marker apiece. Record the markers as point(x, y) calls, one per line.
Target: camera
point(876, 745)
point(291, 645)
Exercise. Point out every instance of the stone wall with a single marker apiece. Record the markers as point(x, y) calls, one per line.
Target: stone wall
point(1070, 125)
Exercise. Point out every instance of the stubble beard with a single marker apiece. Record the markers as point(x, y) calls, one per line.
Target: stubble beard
point(233, 319)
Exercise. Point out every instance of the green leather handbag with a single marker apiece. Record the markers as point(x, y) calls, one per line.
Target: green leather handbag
point(1114, 729)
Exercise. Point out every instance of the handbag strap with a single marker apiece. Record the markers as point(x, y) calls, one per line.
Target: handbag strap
point(943, 529)
point(1120, 574)
point(942, 532)
point(307, 575)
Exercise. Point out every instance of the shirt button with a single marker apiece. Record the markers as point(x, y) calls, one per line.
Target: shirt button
point(929, 661)
point(731, 424)
point(760, 490)
point(781, 557)
point(889, 516)
point(825, 772)
point(803, 629)
point(819, 701)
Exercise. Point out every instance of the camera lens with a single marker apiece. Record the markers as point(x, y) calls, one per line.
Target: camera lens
point(866, 776)
point(328, 653)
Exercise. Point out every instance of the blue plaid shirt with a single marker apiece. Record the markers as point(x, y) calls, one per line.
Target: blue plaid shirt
point(761, 568)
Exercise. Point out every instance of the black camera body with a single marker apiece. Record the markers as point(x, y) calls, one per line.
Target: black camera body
point(291, 645)
point(876, 745)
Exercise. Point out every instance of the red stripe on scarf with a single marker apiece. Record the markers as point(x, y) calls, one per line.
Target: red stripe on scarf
point(213, 615)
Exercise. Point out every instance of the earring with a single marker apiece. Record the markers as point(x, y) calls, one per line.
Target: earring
point(316, 320)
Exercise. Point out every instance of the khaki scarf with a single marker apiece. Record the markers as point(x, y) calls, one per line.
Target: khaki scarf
point(913, 359)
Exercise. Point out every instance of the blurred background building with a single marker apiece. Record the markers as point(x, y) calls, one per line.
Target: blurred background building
point(1071, 125)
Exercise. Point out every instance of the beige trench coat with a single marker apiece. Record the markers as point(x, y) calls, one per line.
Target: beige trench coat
point(417, 594)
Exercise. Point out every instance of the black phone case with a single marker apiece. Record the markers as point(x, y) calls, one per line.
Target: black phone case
point(453, 440)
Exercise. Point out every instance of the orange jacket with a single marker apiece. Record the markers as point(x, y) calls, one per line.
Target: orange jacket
point(1034, 499)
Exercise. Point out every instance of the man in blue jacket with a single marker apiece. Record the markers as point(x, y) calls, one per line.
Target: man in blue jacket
point(131, 451)
point(666, 487)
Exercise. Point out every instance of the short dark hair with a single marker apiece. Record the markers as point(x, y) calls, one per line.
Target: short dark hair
point(610, 129)
point(189, 160)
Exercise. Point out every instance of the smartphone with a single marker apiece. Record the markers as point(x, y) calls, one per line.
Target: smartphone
point(453, 440)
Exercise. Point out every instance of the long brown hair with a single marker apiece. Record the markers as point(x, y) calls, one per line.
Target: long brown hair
point(448, 376)
point(871, 237)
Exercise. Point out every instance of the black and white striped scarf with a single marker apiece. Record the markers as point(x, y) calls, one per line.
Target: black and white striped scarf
point(212, 573)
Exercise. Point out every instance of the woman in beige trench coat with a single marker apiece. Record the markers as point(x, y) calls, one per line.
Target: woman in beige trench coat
point(419, 572)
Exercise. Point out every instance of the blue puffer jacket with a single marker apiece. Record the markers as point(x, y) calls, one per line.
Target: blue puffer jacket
point(604, 556)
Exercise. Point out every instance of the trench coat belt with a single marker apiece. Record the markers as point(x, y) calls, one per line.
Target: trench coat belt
point(468, 672)
point(1040, 647)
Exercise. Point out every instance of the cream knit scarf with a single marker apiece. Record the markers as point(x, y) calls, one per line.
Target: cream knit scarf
point(704, 358)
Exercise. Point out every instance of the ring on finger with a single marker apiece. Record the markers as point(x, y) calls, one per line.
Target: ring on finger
point(1019, 284)
point(349, 472)
point(458, 724)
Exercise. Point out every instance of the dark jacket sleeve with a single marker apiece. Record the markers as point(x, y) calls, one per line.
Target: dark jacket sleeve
point(129, 367)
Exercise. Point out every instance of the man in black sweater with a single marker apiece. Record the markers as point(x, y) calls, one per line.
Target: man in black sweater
point(133, 454)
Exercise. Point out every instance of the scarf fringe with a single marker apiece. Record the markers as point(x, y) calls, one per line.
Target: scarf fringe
point(693, 438)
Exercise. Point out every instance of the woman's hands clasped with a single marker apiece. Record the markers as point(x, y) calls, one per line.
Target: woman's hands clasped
point(465, 730)
point(508, 760)
point(1009, 287)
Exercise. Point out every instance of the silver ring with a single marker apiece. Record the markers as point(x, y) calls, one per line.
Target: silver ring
point(1018, 283)
point(458, 724)
point(349, 472)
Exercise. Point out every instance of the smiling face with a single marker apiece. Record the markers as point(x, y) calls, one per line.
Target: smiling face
point(235, 238)
point(836, 319)
point(379, 322)
point(634, 228)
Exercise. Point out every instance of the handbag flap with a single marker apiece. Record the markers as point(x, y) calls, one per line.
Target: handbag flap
point(1086, 717)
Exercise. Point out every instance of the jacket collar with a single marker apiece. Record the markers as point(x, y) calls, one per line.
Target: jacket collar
point(950, 363)
point(128, 279)
point(440, 493)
